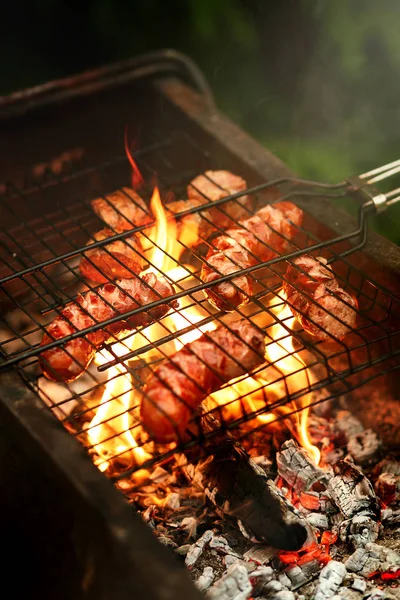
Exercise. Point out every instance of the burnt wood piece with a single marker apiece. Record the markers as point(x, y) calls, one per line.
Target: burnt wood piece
point(355, 497)
point(297, 469)
point(239, 488)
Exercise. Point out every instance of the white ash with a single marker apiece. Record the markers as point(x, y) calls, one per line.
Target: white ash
point(352, 494)
point(333, 456)
point(330, 579)
point(318, 520)
point(359, 530)
point(230, 559)
point(377, 594)
point(296, 467)
point(347, 424)
point(189, 525)
point(260, 577)
point(197, 548)
point(205, 580)
point(284, 580)
point(283, 595)
point(364, 447)
point(358, 584)
point(271, 588)
point(374, 558)
point(234, 585)
point(219, 543)
point(391, 516)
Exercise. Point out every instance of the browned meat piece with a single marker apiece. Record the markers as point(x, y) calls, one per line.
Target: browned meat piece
point(259, 238)
point(122, 210)
point(67, 363)
point(179, 385)
point(320, 305)
point(120, 259)
point(214, 185)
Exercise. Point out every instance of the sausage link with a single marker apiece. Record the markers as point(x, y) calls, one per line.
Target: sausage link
point(122, 210)
point(214, 185)
point(121, 259)
point(68, 362)
point(179, 385)
point(320, 305)
point(257, 239)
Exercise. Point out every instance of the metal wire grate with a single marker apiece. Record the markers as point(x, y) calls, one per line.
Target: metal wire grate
point(49, 225)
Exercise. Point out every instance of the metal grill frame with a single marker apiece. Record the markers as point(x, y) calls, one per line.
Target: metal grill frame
point(24, 408)
point(312, 244)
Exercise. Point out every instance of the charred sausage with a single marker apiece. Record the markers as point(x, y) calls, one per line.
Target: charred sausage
point(179, 385)
point(68, 362)
point(321, 306)
point(259, 238)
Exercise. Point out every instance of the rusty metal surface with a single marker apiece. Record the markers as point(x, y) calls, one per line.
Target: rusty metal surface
point(127, 561)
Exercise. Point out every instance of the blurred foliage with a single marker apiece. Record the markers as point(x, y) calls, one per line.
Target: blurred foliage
point(316, 81)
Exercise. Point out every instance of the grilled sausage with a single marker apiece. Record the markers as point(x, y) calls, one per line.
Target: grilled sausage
point(67, 363)
point(320, 305)
point(121, 259)
point(214, 185)
point(259, 238)
point(179, 385)
point(122, 210)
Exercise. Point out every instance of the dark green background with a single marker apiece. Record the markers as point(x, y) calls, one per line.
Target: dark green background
point(316, 81)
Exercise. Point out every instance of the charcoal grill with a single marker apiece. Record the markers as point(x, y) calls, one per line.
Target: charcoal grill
point(63, 146)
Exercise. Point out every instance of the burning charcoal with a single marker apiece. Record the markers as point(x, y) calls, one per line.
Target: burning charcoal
point(373, 559)
point(387, 487)
point(240, 489)
point(296, 576)
point(387, 465)
point(347, 424)
point(318, 520)
point(259, 554)
point(352, 491)
point(234, 585)
point(297, 469)
point(197, 549)
point(205, 580)
point(364, 446)
point(283, 595)
point(330, 579)
point(219, 543)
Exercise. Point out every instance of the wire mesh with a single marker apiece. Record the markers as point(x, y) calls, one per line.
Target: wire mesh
point(52, 226)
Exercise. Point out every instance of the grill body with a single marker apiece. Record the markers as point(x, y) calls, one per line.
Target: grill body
point(67, 142)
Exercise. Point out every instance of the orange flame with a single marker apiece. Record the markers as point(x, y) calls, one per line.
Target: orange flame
point(137, 179)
